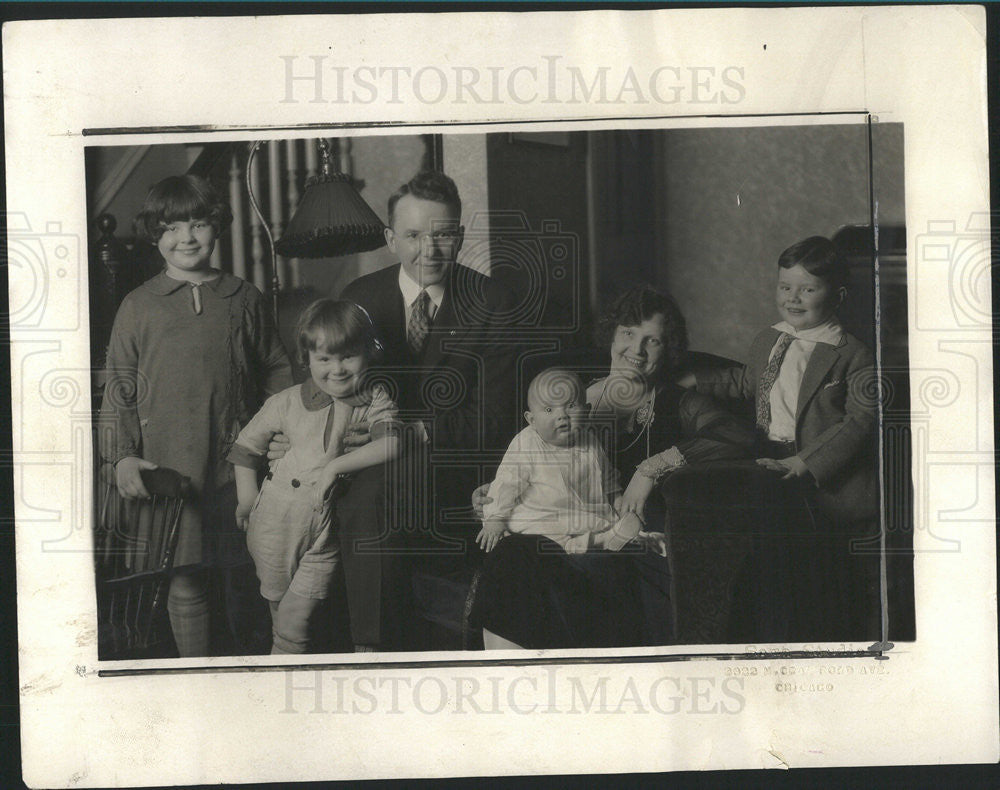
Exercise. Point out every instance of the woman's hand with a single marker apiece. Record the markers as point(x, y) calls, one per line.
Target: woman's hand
point(128, 477)
point(686, 380)
point(789, 468)
point(480, 500)
point(655, 542)
point(278, 446)
point(636, 494)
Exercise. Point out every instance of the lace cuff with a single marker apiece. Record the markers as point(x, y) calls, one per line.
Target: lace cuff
point(657, 466)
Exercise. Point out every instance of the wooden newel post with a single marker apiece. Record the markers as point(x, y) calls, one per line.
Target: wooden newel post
point(110, 253)
point(109, 282)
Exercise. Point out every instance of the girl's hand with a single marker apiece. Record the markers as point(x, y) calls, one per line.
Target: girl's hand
point(491, 534)
point(636, 494)
point(789, 468)
point(243, 514)
point(128, 477)
point(480, 500)
point(687, 380)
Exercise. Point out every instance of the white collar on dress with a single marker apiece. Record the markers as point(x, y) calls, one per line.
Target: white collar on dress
point(828, 332)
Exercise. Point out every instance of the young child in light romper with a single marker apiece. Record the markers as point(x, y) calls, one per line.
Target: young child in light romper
point(290, 521)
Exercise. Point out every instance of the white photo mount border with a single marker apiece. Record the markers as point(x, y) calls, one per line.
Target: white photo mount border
point(933, 702)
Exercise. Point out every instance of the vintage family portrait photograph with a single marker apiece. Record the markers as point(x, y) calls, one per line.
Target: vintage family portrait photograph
point(501, 391)
point(585, 392)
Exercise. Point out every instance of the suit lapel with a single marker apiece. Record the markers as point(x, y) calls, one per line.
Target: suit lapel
point(821, 360)
point(761, 353)
point(391, 318)
point(397, 321)
point(445, 328)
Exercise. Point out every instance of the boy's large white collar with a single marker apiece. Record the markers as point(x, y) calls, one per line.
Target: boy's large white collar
point(829, 332)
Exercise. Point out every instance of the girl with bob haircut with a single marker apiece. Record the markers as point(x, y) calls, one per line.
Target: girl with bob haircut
point(177, 198)
point(291, 522)
point(193, 353)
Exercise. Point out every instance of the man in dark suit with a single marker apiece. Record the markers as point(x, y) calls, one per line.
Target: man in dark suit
point(441, 323)
point(449, 360)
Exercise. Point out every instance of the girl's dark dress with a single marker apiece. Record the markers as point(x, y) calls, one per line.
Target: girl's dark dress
point(537, 596)
point(180, 387)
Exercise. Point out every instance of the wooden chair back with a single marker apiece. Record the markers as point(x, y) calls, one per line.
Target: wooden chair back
point(134, 547)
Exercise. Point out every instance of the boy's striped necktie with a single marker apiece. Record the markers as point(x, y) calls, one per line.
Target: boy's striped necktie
point(767, 379)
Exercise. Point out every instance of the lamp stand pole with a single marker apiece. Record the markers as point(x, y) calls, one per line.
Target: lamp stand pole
point(275, 282)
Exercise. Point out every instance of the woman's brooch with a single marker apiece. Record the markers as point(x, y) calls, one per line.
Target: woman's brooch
point(644, 414)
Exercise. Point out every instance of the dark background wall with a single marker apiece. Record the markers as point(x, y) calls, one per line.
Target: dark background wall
point(538, 205)
point(733, 199)
point(569, 219)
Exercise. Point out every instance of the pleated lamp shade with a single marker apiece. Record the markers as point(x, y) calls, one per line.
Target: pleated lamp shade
point(332, 219)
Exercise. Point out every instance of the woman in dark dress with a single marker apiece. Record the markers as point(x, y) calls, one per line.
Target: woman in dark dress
point(533, 594)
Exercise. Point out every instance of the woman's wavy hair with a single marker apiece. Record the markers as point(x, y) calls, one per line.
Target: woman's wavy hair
point(178, 199)
point(639, 304)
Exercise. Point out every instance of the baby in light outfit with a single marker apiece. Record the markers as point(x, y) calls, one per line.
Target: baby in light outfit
point(555, 479)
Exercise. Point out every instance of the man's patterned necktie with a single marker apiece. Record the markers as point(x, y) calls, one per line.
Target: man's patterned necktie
point(419, 324)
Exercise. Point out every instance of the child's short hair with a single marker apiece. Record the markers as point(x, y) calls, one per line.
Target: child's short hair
point(639, 304)
point(335, 327)
point(178, 199)
point(428, 185)
point(820, 257)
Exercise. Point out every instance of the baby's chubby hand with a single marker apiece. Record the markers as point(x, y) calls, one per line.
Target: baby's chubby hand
point(480, 499)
